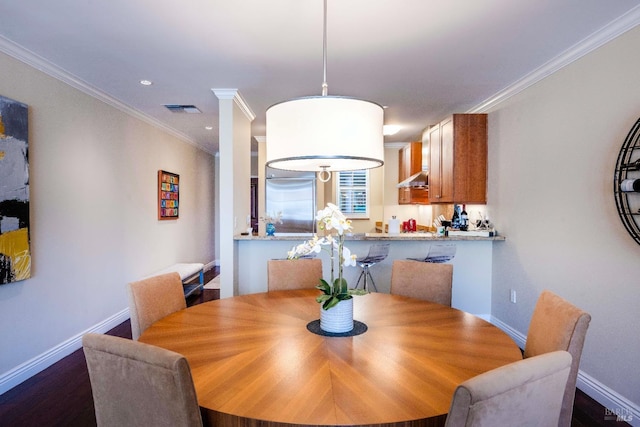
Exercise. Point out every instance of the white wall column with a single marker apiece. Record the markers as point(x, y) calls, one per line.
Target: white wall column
point(234, 196)
point(262, 202)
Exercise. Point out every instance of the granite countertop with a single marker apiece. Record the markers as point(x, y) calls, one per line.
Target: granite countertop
point(459, 235)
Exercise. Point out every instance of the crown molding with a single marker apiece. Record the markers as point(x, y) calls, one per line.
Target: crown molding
point(39, 63)
point(395, 144)
point(237, 99)
point(614, 29)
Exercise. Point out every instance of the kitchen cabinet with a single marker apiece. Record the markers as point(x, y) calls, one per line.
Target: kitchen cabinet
point(458, 159)
point(410, 163)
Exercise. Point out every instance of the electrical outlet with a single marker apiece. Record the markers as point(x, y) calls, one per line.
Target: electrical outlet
point(512, 297)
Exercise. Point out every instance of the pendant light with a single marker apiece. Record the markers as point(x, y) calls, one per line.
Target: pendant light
point(325, 133)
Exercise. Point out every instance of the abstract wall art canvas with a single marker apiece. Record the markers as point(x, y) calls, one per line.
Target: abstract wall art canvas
point(15, 253)
point(168, 195)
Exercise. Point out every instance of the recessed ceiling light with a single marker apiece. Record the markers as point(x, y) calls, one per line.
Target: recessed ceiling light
point(146, 82)
point(208, 127)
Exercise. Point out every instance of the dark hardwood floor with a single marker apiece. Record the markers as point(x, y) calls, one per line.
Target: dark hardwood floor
point(61, 394)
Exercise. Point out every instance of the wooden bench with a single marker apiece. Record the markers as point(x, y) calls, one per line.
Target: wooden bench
point(187, 272)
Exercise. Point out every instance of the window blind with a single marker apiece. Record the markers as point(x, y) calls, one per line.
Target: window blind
point(353, 193)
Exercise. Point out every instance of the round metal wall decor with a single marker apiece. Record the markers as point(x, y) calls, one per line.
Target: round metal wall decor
point(626, 182)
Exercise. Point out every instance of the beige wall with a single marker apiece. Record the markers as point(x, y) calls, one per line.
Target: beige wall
point(94, 220)
point(552, 152)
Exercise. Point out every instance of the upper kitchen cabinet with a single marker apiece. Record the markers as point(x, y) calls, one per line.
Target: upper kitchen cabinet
point(458, 159)
point(413, 185)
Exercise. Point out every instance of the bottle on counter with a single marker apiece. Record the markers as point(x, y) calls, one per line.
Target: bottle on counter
point(455, 219)
point(464, 219)
point(630, 185)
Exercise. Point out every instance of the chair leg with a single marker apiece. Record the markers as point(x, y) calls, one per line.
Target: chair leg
point(368, 273)
point(360, 277)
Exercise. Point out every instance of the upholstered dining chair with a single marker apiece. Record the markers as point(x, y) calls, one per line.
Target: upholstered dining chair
point(137, 384)
point(557, 324)
point(523, 393)
point(423, 280)
point(153, 298)
point(303, 273)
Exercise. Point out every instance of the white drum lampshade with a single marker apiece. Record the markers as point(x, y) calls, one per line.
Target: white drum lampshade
point(324, 134)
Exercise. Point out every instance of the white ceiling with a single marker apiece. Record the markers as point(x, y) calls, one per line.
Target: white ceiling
point(423, 59)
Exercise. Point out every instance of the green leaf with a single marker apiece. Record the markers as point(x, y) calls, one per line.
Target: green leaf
point(340, 286)
point(323, 298)
point(331, 302)
point(358, 292)
point(324, 287)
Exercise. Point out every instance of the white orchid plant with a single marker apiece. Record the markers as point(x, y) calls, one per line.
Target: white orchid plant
point(337, 289)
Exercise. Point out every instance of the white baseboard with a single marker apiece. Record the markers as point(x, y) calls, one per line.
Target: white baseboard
point(26, 370)
point(619, 408)
point(517, 336)
point(23, 372)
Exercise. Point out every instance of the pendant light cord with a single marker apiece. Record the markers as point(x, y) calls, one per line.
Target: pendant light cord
point(324, 52)
point(324, 175)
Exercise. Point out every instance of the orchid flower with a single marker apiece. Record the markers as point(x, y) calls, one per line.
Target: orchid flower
point(331, 218)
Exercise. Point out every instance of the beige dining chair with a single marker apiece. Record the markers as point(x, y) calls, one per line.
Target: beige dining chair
point(557, 324)
point(137, 384)
point(303, 273)
point(523, 393)
point(423, 280)
point(153, 298)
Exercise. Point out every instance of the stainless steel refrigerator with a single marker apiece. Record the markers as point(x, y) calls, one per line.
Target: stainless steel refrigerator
point(293, 194)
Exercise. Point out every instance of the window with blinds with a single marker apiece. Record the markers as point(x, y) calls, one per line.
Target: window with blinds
point(353, 193)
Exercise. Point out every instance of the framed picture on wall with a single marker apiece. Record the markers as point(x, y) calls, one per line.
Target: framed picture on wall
point(168, 195)
point(15, 246)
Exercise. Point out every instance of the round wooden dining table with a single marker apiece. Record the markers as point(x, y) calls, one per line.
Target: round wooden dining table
point(254, 362)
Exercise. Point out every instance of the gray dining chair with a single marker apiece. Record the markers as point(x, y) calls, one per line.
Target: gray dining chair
point(153, 298)
point(526, 393)
point(302, 273)
point(136, 384)
point(557, 324)
point(423, 280)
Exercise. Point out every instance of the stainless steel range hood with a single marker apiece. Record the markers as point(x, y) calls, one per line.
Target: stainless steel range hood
point(420, 179)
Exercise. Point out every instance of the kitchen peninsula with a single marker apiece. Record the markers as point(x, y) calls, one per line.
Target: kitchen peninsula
point(471, 264)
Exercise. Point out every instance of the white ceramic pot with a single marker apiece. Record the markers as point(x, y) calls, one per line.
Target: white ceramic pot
point(339, 318)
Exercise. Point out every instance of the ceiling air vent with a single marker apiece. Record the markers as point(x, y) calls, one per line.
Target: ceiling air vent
point(190, 109)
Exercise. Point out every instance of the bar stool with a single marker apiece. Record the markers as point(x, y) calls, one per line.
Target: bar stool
point(376, 254)
point(438, 254)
